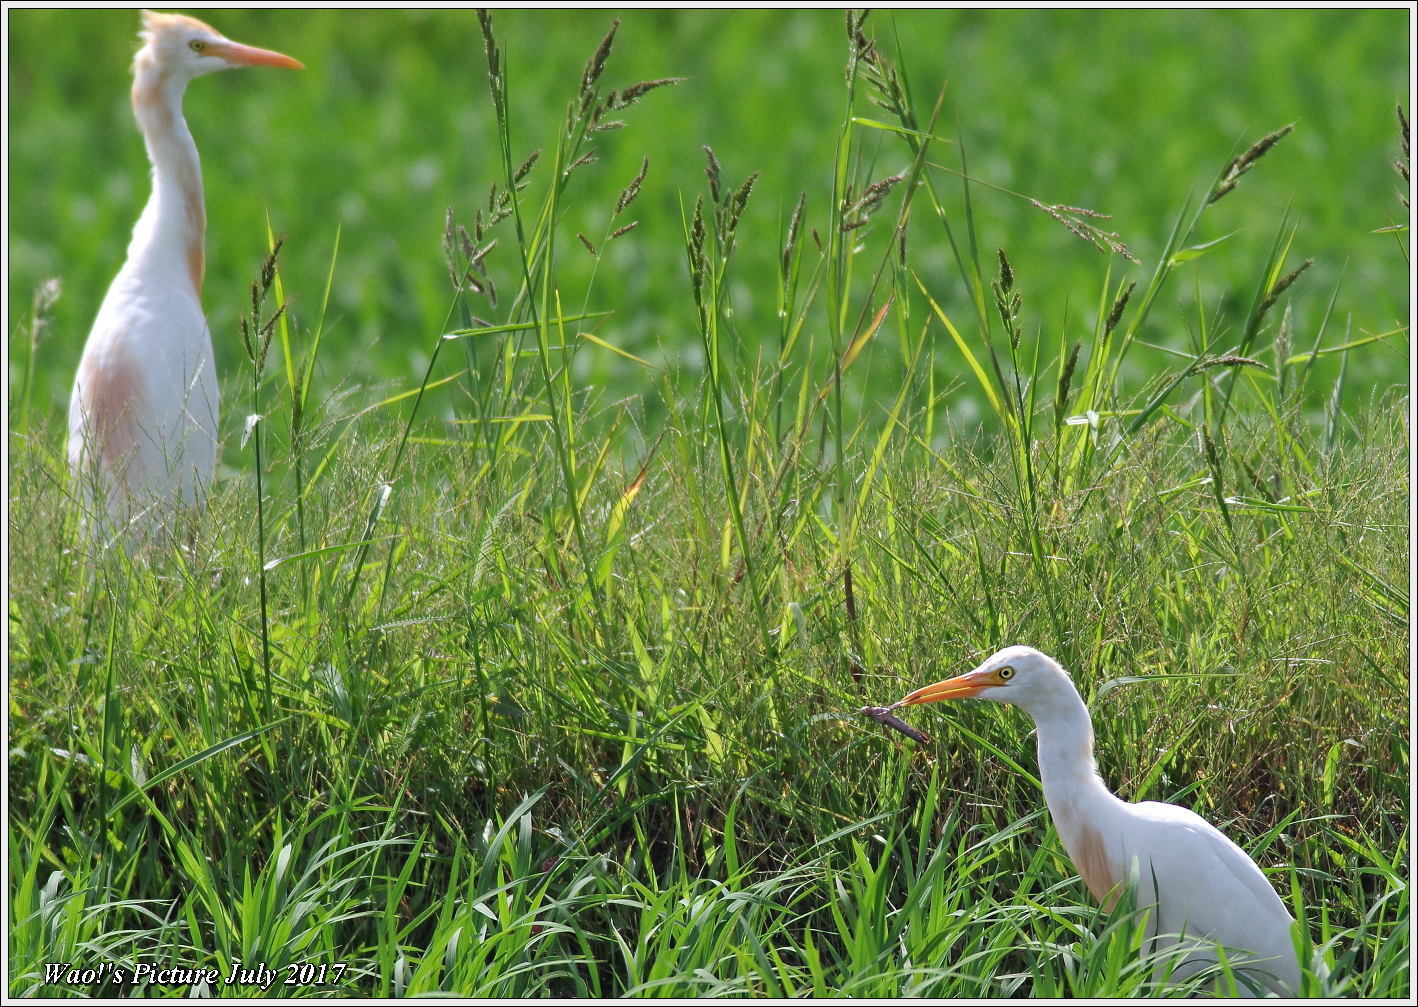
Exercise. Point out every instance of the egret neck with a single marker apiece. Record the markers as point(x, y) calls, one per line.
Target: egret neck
point(168, 238)
point(1079, 802)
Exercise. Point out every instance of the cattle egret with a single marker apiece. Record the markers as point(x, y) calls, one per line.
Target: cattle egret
point(1198, 887)
point(143, 414)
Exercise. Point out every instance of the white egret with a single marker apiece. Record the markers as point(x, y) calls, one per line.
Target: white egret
point(143, 413)
point(1197, 886)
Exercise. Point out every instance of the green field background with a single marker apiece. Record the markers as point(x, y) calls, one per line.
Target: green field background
point(390, 126)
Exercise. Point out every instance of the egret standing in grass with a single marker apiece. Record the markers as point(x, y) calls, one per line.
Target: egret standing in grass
point(143, 414)
point(1198, 887)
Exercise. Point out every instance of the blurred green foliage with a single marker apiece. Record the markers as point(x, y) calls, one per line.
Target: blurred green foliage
point(390, 126)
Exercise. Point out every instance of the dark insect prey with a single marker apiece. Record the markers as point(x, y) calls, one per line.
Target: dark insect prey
point(883, 715)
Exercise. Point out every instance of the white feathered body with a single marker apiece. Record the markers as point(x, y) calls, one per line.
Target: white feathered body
point(144, 410)
point(1211, 892)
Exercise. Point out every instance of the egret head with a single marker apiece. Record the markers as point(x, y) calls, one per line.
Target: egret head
point(1020, 675)
point(184, 48)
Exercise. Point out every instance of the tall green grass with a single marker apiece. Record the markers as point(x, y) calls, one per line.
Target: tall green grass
point(502, 682)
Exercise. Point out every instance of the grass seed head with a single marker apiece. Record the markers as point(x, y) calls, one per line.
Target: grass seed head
point(638, 90)
point(270, 325)
point(268, 267)
point(256, 335)
point(1065, 380)
point(1243, 163)
point(1104, 241)
point(480, 254)
point(46, 295)
point(615, 101)
point(1282, 285)
point(740, 200)
point(497, 82)
point(697, 264)
point(1116, 314)
point(526, 167)
point(711, 169)
point(794, 223)
point(587, 158)
point(1230, 360)
point(628, 194)
point(871, 199)
point(856, 37)
point(596, 65)
point(1008, 301)
point(733, 212)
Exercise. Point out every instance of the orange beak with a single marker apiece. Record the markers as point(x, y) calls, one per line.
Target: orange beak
point(248, 55)
point(962, 687)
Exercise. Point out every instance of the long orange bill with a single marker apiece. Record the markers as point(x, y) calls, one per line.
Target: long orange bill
point(249, 55)
point(960, 687)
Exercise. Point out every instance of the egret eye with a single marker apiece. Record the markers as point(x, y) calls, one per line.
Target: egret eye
point(196, 45)
point(1005, 673)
